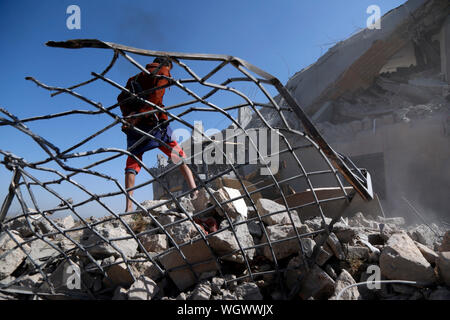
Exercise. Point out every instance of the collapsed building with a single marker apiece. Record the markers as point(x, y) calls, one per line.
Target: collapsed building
point(288, 219)
point(382, 98)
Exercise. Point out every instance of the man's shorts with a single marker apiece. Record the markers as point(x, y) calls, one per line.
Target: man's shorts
point(163, 134)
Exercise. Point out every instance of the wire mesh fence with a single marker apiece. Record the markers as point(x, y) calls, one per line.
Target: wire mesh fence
point(171, 237)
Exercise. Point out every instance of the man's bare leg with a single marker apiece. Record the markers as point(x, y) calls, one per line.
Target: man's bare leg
point(129, 183)
point(187, 173)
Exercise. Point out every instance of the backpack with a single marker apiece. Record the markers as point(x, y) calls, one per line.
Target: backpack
point(133, 105)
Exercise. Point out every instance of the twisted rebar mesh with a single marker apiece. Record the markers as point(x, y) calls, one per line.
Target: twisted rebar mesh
point(74, 246)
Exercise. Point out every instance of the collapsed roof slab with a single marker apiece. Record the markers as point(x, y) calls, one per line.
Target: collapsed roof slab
point(354, 63)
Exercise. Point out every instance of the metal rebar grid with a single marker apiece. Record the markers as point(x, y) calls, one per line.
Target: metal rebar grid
point(90, 242)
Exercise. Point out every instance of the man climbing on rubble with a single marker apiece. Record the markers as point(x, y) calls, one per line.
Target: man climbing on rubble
point(154, 123)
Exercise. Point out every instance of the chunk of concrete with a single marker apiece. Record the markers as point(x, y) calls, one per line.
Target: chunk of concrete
point(98, 248)
point(335, 246)
point(10, 261)
point(154, 242)
point(66, 222)
point(201, 292)
point(143, 289)
point(248, 291)
point(235, 209)
point(445, 246)
point(443, 264)
point(401, 260)
point(183, 232)
point(344, 280)
point(283, 249)
point(197, 253)
point(424, 235)
point(316, 284)
point(119, 275)
point(266, 206)
point(427, 253)
point(225, 242)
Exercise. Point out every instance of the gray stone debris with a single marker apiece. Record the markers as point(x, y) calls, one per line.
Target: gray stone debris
point(201, 292)
point(143, 288)
point(154, 242)
point(445, 246)
point(316, 284)
point(225, 242)
point(157, 205)
point(344, 280)
point(66, 223)
point(98, 248)
point(443, 263)
point(183, 232)
point(235, 209)
point(266, 206)
point(285, 248)
point(424, 235)
point(335, 246)
point(402, 260)
point(427, 253)
point(10, 261)
point(248, 291)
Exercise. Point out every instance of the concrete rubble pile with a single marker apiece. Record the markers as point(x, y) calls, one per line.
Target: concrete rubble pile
point(288, 268)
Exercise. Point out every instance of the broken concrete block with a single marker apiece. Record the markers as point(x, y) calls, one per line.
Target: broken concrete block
point(248, 291)
point(168, 217)
point(196, 253)
point(119, 275)
point(148, 269)
point(225, 242)
point(316, 223)
point(358, 253)
point(143, 289)
point(285, 248)
point(335, 246)
point(67, 278)
point(266, 206)
point(21, 226)
point(317, 284)
point(201, 292)
point(98, 248)
point(427, 253)
point(443, 264)
point(156, 207)
point(235, 209)
point(154, 242)
point(401, 260)
point(445, 246)
point(183, 232)
point(424, 235)
point(324, 255)
point(255, 229)
point(330, 271)
point(399, 221)
point(344, 233)
point(345, 279)
point(66, 223)
point(217, 284)
point(31, 281)
point(41, 251)
point(10, 261)
point(358, 220)
point(202, 200)
point(295, 269)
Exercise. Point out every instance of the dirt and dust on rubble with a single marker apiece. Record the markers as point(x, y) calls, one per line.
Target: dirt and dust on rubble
point(219, 271)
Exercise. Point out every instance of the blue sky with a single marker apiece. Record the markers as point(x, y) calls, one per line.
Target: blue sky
point(281, 37)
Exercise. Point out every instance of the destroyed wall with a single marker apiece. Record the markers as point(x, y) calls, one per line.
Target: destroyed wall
point(382, 97)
